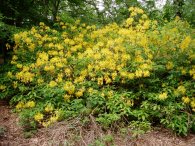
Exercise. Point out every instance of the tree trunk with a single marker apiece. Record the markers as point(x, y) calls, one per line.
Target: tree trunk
point(55, 8)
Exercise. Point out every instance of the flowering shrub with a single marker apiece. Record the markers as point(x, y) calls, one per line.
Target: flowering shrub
point(138, 71)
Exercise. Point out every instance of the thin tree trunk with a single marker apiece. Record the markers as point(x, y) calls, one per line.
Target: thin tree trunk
point(55, 8)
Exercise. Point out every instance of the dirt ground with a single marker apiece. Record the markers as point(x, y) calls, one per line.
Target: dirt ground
point(72, 133)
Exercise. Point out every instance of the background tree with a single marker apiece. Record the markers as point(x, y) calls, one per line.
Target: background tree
point(31, 12)
point(182, 8)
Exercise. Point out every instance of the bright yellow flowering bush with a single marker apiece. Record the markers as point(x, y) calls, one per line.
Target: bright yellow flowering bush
point(139, 70)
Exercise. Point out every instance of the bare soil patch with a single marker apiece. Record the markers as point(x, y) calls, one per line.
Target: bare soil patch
point(73, 133)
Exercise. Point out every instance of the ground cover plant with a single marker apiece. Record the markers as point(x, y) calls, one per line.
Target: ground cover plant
point(138, 74)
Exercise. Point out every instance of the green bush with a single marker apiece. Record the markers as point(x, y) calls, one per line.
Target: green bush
point(137, 73)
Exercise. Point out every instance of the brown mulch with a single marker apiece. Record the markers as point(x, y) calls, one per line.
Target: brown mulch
point(72, 133)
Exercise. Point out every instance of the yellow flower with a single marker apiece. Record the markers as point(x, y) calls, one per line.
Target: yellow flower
point(193, 77)
point(79, 94)
point(61, 23)
point(38, 117)
point(163, 96)
point(131, 76)
point(107, 79)
point(14, 58)
point(69, 87)
point(59, 114)
point(131, 8)
point(186, 100)
point(169, 65)
point(52, 84)
point(144, 16)
point(129, 21)
point(192, 71)
point(49, 108)
point(15, 84)
point(71, 90)
point(140, 11)
point(25, 77)
point(41, 24)
point(25, 68)
point(2, 87)
point(20, 105)
point(32, 47)
point(129, 103)
point(146, 24)
point(53, 119)
point(90, 90)
point(181, 89)
point(39, 81)
point(7, 46)
point(59, 65)
point(192, 103)
point(100, 81)
point(133, 14)
point(110, 94)
point(183, 71)
point(30, 104)
point(67, 97)
point(177, 18)
point(67, 72)
point(49, 68)
point(59, 79)
point(138, 73)
point(63, 27)
point(114, 75)
point(185, 43)
point(28, 40)
point(46, 124)
point(146, 73)
point(19, 65)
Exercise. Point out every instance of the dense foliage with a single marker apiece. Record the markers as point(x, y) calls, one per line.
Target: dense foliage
point(138, 73)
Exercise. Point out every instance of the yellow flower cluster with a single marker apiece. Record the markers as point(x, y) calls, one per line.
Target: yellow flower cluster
point(38, 117)
point(185, 99)
point(169, 65)
point(185, 43)
point(21, 104)
point(9, 74)
point(69, 87)
point(135, 11)
point(49, 108)
point(181, 90)
point(30, 104)
point(52, 84)
point(2, 88)
point(192, 104)
point(192, 72)
point(130, 102)
point(25, 75)
point(67, 97)
point(54, 117)
point(163, 96)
